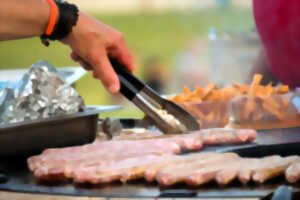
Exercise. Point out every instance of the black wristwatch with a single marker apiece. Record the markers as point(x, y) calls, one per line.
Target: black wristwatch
point(68, 17)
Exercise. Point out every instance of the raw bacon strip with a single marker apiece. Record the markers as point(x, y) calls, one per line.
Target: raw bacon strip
point(165, 145)
point(226, 176)
point(188, 141)
point(138, 135)
point(56, 166)
point(126, 148)
point(179, 173)
point(210, 136)
point(141, 171)
point(113, 172)
point(153, 170)
point(292, 173)
point(249, 165)
point(208, 173)
point(273, 169)
point(66, 167)
point(229, 173)
point(128, 169)
point(63, 163)
point(225, 136)
point(69, 153)
point(66, 170)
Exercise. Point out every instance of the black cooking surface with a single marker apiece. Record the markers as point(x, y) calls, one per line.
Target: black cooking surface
point(21, 180)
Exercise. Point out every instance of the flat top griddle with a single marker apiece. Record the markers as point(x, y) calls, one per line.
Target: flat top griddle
point(21, 180)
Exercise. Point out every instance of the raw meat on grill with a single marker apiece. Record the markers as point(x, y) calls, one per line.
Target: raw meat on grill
point(152, 171)
point(61, 163)
point(179, 173)
point(225, 136)
point(138, 134)
point(249, 166)
point(114, 171)
point(208, 172)
point(292, 173)
point(277, 168)
point(131, 168)
point(224, 168)
point(193, 169)
point(207, 136)
point(56, 165)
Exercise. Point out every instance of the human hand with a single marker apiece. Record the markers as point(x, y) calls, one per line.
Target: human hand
point(93, 43)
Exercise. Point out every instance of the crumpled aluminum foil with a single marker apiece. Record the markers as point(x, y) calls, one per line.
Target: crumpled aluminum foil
point(41, 93)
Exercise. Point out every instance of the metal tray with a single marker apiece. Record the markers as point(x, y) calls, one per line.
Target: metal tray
point(28, 138)
point(21, 180)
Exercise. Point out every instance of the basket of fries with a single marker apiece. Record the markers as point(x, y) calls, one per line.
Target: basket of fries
point(264, 107)
point(209, 105)
point(241, 106)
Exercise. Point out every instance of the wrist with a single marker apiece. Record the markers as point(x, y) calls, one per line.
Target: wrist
point(67, 18)
point(77, 29)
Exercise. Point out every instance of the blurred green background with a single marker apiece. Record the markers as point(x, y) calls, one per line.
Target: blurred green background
point(148, 34)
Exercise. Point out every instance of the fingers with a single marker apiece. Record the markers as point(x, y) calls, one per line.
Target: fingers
point(121, 52)
point(126, 58)
point(104, 71)
point(78, 59)
point(74, 56)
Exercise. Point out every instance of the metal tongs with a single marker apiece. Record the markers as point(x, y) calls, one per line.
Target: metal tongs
point(152, 104)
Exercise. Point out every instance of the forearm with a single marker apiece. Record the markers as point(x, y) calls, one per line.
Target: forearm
point(93, 43)
point(23, 18)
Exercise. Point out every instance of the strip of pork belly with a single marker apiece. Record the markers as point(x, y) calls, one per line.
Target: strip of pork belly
point(266, 169)
point(292, 173)
point(165, 145)
point(249, 165)
point(225, 136)
point(178, 173)
point(113, 172)
point(229, 172)
point(152, 171)
point(183, 142)
point(70, 153)
point(214, 136)
point(134, 170)
point(186, 141)
point(141, 170)
point(129, 169)
point(66, 170)
point(125, 148)
point(208, 172)
point(65, 167)
point(273, 169)
point(59, 165)
point(263, 169)
point(140, 135)
point(172, 145)
point(60, 160)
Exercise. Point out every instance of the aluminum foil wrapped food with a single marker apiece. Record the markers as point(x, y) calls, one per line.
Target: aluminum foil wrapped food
point(41, 93)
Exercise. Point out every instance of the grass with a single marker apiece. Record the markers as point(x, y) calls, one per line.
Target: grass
point(148, 34)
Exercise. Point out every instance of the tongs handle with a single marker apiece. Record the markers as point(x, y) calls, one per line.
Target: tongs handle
point(130, 85)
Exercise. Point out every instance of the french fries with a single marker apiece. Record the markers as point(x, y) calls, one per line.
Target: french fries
point(250, 103)
point(212, 93)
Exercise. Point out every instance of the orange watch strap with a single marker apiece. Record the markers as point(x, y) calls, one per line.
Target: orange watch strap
point(53, 16)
